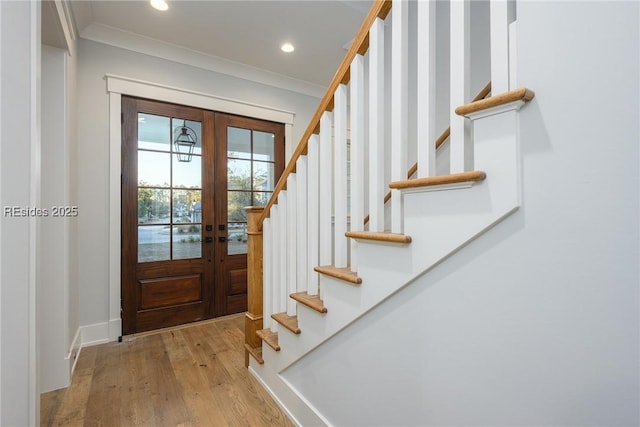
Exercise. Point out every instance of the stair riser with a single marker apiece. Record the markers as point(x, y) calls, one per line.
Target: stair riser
point(439, 222)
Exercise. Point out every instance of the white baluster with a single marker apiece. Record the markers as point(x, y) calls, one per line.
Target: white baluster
point(426, 88)
point(275, 268)
point(460, 140)
point(283, 296)
point(376, 126)
point(357, 153)
point(326, 190)
point(313, 184)
point(340, 177)
point(399, 77)
point(499, 14)
point(513, 70)
point(292, 263)
point(267, 275)
point(301, 232)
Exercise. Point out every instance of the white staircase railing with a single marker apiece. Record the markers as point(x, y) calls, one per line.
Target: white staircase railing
point(363, 136)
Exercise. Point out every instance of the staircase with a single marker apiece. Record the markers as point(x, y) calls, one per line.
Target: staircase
point(316, 262)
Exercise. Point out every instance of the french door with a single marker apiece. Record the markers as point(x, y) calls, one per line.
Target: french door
point(183, 219)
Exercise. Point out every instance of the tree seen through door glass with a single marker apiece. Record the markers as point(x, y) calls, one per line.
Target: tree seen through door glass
point(169, 191)
point(250, 180)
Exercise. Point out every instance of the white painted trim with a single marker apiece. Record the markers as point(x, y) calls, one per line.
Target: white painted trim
point(460, 142)
point(289, 146)
point(283, 231)
point(376, 125)
point(115, 166)
point(160, 92)
point(340, 242)
point(126, 40)
point(399, 97)
point(291, 242)
point(492, 111)
point(301, 221)
point(98, 333)
point(274, 396)
point(66, 195)
point(441, 187)
point(325, 189)
point(74, 351)
point(35, 45)
point(301, 399)
point(313, 182)
point(115, 328)
point(426, 89)
point(74, 343)
point(305, 401)
point(499, 35)
point(63, 10)
point(116, 87)
point(357, 111)
point(276, 281)
point(1, 221)
point(267, 274)
point(513, 58)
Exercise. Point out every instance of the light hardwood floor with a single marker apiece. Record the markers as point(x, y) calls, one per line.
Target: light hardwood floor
point(186, 376)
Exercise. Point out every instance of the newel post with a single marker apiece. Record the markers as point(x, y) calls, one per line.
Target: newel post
point(253, 317)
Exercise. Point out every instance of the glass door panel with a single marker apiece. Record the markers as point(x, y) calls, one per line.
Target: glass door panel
point(250, 179)
point(169, 190)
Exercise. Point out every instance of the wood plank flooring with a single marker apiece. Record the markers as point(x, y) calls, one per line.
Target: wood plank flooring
point(185, 376)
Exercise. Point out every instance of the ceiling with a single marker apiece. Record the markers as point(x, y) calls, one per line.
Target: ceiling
point(245, 32)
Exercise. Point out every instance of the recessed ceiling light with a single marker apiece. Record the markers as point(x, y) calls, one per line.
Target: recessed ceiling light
point(159, 5)
point(287, 48)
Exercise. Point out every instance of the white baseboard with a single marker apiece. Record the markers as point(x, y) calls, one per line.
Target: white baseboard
point(115, 329)
point(274, 396)
point(74, 351)
point(299, 410)
point(100, 333)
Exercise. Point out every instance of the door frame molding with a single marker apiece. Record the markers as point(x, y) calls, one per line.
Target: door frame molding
point(118, 86)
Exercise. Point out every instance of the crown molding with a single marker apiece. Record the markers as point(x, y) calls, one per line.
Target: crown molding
point(127, 40)
point(145, 89)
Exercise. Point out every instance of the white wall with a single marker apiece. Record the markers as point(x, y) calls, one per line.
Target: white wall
point(19, 178)
point(96, 60)
point(53, 262)
point(535, 322)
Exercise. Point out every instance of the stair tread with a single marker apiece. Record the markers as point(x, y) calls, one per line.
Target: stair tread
point(454, 178)
point(255, 352)
point(312, 301)
point(270, 337)
point(289, 322)
point(379, 236)
point(340, 273)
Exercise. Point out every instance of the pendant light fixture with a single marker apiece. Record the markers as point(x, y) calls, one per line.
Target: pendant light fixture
point(184, 141)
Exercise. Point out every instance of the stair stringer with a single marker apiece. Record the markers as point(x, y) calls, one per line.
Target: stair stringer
point(440, 222)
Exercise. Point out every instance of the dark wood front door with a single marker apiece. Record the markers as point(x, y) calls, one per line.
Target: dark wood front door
point(183, 226)
point(249, 161)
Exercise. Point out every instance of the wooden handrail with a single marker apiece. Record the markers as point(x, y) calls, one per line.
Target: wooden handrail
point(522, 94)
point(379, 9)
point(441, 139)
